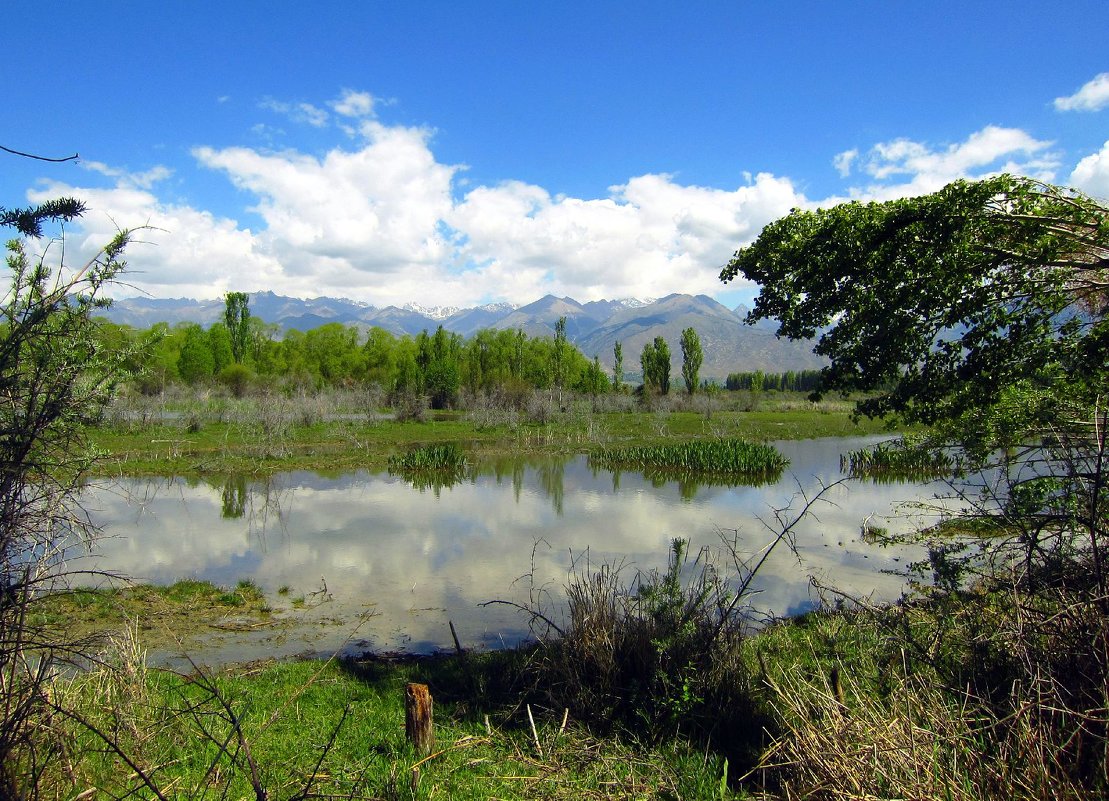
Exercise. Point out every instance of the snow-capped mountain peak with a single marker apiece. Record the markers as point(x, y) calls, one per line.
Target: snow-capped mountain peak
point(432, 312)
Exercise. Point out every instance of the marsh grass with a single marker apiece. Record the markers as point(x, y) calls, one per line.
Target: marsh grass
point(657, 653)
point(898, 460)
point(445, 456)
point(265, 435)
point(860, 716)
point(165, 616)
point(710, 457)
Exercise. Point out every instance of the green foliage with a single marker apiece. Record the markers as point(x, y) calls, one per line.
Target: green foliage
point(29, 221)
point(617, 365)
point(195, 361)
point(789, 381)
point(236, 316)
point(593, 380)
point(655, 363)
point(56, 378)
point(980, 310)
point(725, 457)
point(236, 377)
point(219, 343)
point(441, 383)
point(945, 299)
point(899, 460)
point(558, 354)
point(692, 358)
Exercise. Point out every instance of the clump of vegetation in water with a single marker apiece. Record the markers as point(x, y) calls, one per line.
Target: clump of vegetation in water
point(897, 461)
point(446, 456)
point(431, 466)
point(656, 652)
point(714, 457)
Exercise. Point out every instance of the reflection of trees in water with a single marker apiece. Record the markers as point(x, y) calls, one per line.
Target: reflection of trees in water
point(550, 473)
point(234, 496)
point(551, 476)
point(510, 467)
point(517, 479)
point(691, 482)
point(259, 501)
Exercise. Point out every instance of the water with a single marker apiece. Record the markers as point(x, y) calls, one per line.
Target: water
point(384, 565)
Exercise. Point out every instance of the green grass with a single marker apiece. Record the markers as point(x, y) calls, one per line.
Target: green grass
point(896, 461)
point(233, 447)
point(165, 616)
point(712, 457)
point(337, 730)
point(447, 456)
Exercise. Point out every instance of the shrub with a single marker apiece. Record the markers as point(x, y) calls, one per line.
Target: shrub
point(658, 654)
point(236, 377)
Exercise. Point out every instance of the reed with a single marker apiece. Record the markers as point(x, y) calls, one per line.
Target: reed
point(896, 460)
point(447, 456)
point(719, 457)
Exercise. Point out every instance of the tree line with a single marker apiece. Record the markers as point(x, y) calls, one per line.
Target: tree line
point(241, 350)
point(789, 381)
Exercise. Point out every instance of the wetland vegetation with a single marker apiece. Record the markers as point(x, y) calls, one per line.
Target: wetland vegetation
point(977, 313)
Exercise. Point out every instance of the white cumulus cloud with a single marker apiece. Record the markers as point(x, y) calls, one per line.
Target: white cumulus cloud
point(1093, 96)
point(182, 251)
point(650, 237)
point(843, 161)
point(1091, 175)
point(917, 167)
point(353, 104)
point(381, 219)
point(349, 220)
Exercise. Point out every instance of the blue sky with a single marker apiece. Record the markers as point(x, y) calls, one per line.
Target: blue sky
point(457, 153)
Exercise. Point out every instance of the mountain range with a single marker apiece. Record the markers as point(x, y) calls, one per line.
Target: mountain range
point(728, 343)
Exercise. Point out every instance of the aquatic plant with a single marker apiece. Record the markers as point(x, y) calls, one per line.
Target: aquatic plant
point(442, 456)
point(896, 460)
point(719, 457)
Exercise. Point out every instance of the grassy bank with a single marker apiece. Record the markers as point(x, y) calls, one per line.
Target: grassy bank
point(655, 687)
point(336, 730)
point(240, 441)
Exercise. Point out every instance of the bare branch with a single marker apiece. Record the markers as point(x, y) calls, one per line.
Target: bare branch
point(74, 157)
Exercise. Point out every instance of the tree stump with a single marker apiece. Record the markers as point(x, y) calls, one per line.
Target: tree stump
point(417, 718)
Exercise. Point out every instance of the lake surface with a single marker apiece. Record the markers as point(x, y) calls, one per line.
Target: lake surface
point(384, 565)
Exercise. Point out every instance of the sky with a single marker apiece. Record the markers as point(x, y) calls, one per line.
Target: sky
point(461, 153)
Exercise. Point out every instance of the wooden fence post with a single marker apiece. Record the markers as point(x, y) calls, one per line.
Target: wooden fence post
point(417, 718)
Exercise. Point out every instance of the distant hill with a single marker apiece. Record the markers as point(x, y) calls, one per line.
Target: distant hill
point(729, 345)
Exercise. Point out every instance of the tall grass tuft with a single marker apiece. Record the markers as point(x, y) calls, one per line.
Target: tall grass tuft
point(659, 654)
point(711, 457)
point(842, 737)
point(444, 456)
point(431, 467)
point(898, 460)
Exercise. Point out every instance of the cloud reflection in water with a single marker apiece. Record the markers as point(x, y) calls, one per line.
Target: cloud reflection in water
point(419, 558)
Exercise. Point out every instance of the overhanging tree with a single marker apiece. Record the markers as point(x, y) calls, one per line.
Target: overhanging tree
point(941, 301)
point(980, 310)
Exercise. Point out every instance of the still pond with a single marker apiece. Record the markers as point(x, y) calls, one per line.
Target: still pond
point(368, 561)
